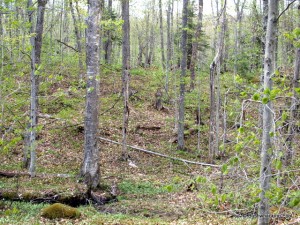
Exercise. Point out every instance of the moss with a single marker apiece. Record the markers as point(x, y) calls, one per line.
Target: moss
point(10, 195)
point(59, 210)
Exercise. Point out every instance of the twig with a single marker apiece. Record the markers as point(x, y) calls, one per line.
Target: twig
point(160, 154)
point(118, 99)
point(71, 47)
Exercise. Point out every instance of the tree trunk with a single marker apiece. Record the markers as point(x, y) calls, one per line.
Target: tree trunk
point(265, 171)
point(150, 57)
point(182, 76)
point(108, 42)
point(125, 74)
point(90, 169)
point(78, 41)
point(36, 43)
point(195, 45)
point(162, 38)
point(215, 68)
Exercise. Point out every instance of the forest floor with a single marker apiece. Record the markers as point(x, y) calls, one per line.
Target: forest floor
point(152, 190)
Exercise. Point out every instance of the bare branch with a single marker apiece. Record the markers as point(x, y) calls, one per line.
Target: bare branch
point(285, 9)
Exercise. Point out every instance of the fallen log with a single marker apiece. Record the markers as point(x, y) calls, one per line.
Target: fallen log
point(24, 174)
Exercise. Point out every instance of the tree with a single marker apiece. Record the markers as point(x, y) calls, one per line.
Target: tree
point(36, 44)
point(90, 169)
point(215, 69)
point(125, 74)
point(182, 75)
point(267, 120)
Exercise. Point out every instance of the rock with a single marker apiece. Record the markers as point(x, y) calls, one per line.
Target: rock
point(59, 210)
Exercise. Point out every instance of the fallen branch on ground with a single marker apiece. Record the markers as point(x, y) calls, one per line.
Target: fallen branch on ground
point(160, 154)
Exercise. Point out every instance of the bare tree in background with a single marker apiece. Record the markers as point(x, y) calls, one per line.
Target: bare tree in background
point(195, 44)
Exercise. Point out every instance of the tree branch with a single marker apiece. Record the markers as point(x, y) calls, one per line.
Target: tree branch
point(160, 154)
point(71, 47)
point(285, 9)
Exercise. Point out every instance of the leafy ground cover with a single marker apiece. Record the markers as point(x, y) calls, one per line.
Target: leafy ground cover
point(151, 190)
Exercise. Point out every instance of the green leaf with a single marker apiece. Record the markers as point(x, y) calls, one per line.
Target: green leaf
point(224, 169)
point(265, 100)
point(267, 91)
point(278, 164)
point(214, 189)
point(169, 188)
point(241, 129)
point(200, 179)
point(256, 97)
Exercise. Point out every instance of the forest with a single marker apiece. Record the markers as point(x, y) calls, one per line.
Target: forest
point(150, 112)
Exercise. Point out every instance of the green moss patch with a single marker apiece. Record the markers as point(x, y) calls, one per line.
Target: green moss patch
point(59, 210)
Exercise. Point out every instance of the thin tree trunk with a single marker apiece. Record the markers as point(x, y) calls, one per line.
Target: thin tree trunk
point(78, 40)
point(150, 57)
point(108, 42)
point(162, 38)
point(266, 151)
point(182, 75)
point(169, 46)
point(36, 43)
point(195, 45)
point(126, 74)
point(90, 169)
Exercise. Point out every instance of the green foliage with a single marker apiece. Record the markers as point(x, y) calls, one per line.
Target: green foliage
point(141, 188)
point(294, 199)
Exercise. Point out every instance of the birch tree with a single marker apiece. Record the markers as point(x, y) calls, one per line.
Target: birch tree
point(267, 119)
point(90, 170)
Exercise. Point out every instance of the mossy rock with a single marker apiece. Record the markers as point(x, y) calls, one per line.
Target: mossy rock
point(59, 210)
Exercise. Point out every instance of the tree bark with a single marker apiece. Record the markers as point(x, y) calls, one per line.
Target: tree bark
point(267, 140)
point(90, 169)
point(195, 45)
point(182, 76)
point(125, 74)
